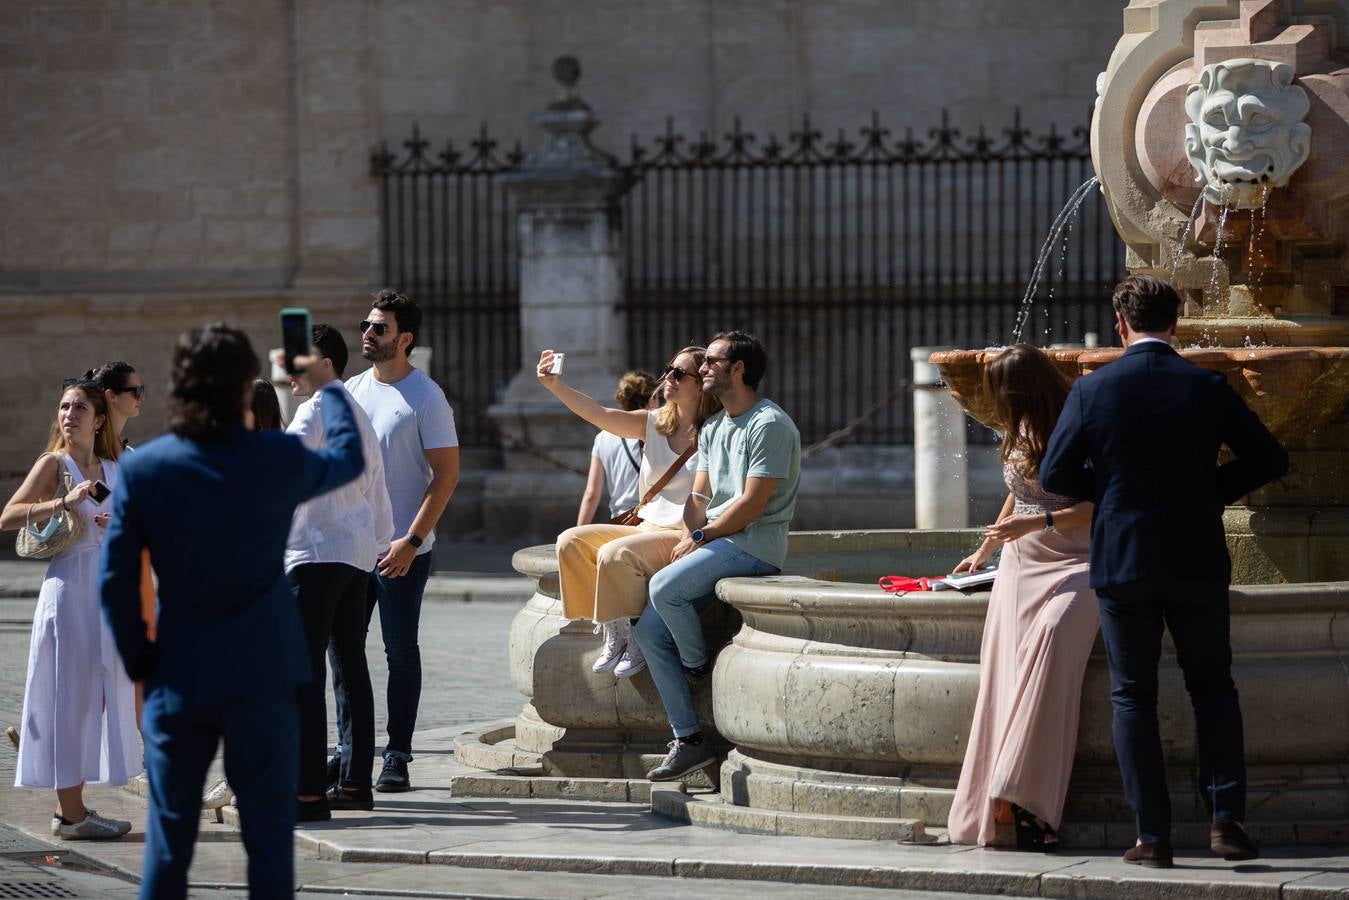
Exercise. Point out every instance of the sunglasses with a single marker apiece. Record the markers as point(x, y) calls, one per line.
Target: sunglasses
point(713, 360)
point(675, 374)
point(138, 391)
point(378, 327)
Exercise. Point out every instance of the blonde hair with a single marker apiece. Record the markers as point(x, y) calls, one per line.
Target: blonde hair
point(667, 417)
point(107, 443)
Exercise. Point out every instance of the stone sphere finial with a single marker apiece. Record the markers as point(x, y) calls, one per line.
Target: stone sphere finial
point(567, 71)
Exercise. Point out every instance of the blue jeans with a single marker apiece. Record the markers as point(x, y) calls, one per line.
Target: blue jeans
point(670, 632)
point(400, 613)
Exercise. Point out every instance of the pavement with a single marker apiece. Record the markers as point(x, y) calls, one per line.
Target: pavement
point(432, 843)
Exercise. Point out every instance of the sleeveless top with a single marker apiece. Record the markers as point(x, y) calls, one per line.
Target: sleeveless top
point(667, 507)
point(1030, 497)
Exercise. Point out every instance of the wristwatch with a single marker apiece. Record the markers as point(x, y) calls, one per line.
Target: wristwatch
point(415, 541)
point(1049, 523)
point(698, 536)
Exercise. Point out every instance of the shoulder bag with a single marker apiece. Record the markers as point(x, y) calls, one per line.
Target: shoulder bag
point(633, 516)
point(62, 529)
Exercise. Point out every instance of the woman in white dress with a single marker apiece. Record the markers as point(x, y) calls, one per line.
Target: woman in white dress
point(604, 569)
point(79, 714)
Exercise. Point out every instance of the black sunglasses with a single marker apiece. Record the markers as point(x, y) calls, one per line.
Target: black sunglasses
point(675, 373)
point(378, 327)
point(138, 391)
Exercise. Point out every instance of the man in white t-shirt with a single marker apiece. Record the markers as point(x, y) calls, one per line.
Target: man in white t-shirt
point(415, 426)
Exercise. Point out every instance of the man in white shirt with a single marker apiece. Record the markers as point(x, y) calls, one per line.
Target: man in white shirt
point(335, 540)
point(415, 426)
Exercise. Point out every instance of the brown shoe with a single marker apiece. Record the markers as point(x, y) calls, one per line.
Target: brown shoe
point(1230, 841)
point(1151, 856)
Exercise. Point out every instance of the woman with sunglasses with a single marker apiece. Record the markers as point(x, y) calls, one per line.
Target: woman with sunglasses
point(604, 569)
point(125, 393)
point(79, 717)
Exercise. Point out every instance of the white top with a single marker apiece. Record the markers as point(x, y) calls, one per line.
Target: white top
point(667, 507)
point(352, 524)
point(409, 416)
point(622, 461)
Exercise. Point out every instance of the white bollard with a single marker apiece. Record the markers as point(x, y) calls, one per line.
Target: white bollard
point(281, 384)
point(941, 491)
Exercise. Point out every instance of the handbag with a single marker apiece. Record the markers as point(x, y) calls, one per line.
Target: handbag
point(632, 516)
point(62, 529)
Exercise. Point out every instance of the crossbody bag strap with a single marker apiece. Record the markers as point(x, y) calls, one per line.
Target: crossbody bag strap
point(665, 479)
point(636, 464)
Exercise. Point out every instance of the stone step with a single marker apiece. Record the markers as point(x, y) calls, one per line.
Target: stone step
point(711, 811)
point(542, 787)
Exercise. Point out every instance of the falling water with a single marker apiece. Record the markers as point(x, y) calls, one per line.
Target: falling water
point(1257, 232)
point(1061, 222)
point(1184, 240)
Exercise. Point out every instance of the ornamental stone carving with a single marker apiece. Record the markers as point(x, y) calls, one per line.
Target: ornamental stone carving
point(1246, 132)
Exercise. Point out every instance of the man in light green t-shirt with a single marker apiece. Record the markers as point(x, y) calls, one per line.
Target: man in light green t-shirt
point(735, 523)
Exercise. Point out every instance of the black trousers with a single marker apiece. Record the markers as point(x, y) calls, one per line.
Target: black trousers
point(331, 598)
point(1196, 613)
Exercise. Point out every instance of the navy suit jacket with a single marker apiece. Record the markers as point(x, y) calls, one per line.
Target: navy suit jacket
point(215, 517)
point(1150, 426)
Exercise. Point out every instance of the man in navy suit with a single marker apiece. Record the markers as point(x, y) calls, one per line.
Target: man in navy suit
point(212, 502)
point(1140, 439)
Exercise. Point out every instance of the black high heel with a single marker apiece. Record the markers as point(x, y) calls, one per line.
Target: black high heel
point(1032, 832)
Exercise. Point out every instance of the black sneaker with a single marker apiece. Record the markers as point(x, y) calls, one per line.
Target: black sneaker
point(312, 810)
point(334, 768)
point(358, 799)
point(394, 778)
point(682, 759)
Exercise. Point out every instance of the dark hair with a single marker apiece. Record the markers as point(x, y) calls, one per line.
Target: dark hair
point(407, 315)
point(212, 366)
point(111, 376)
point(1026, 392)
point(1146, 302)
point(331, 346)
point(266, 408)
point(746, 348)
point(635, 389)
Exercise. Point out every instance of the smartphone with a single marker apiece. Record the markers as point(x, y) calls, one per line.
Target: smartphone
point(100, 492)
point(297, 336)
point(558, 359)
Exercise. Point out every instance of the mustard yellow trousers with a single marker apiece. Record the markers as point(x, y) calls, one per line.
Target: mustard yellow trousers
point(604, 569)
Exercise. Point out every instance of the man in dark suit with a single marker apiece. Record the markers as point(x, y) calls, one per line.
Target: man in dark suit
point(212, 502)
point(1140, 439)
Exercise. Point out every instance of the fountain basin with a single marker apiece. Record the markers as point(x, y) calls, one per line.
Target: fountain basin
point(1294, 390)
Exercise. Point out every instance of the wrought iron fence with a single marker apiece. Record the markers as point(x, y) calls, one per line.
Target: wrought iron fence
point(843, 254)
point(449, 242)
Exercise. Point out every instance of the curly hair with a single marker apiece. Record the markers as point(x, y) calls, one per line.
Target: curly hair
point(212, 367)
point(634, 389)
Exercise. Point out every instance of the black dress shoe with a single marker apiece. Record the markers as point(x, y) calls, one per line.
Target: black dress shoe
point(312, 810)
point(1230, 841)
point(1151, 856)
point(357, 799)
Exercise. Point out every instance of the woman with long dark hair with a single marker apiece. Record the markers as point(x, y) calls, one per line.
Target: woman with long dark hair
point(79, 714)
point(1041, 624)
point(124, 390)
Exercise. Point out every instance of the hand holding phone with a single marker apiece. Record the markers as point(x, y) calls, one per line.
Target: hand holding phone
point(297, 335)
point(100, 492)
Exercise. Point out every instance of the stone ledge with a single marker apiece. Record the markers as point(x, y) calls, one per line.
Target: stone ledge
point(541, 787)
point(715, 813)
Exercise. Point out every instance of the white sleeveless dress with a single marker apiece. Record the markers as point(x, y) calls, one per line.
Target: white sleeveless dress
point(79, 706)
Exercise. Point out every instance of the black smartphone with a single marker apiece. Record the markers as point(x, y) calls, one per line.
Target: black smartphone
point(296, 337)
point(100, 492)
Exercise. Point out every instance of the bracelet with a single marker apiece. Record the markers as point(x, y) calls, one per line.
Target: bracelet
point(702, 497)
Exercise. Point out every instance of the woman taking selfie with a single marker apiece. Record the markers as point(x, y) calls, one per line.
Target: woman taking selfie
point(79, 716)
point(1041, 624)
point(604, 569)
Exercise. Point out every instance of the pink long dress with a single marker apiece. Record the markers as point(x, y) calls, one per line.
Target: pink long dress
point(1041, 624)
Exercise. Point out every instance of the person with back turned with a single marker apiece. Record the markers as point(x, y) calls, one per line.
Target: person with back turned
point(212, 501)
point(1140, 438)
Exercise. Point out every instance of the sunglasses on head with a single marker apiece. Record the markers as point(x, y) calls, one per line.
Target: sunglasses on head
point(378, 327)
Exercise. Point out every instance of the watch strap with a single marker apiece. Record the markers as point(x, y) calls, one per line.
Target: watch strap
point(414, 540)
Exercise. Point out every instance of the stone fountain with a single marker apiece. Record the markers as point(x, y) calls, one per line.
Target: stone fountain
point(1221, 140)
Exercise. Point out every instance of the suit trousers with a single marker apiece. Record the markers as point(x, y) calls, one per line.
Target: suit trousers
point(1197, 615)
point(331, 598)
point(260, 735)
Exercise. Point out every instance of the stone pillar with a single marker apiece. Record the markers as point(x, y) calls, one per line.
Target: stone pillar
point(941, 489)
point(566, 195)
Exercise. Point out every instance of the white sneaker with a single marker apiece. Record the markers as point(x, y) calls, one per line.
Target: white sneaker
point(615, 640)
point(217, 795)
point(632, 661)
point(92, 828)
point(56, 824)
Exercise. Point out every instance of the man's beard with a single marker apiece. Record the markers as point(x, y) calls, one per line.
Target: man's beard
point(379, 353)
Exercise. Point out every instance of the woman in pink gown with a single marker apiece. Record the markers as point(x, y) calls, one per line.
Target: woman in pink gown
point(1040, 628)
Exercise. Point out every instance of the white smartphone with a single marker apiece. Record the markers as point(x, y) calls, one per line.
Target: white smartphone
point(558, 359)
